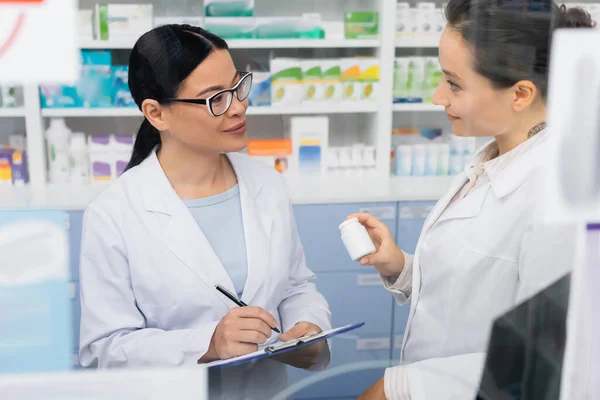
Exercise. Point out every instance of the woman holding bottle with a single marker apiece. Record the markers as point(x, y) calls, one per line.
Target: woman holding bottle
point(483, 248)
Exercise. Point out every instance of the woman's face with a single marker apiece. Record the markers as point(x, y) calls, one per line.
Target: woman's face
point(472, 104)
point(193, 125)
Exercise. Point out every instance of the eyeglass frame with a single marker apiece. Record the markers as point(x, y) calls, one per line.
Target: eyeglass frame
point(244, 75)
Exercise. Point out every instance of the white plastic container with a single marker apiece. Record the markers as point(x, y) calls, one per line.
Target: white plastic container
point(122, 147)
point(357, 241)
point(101, 159)
point(432, 157)
point(80, 162)
point(358, 159)
point(58, 136)
point(444, 159)
point(369, 160)
point(333, 161)
point(403, 165)
point(345, 161)
point(418, 161)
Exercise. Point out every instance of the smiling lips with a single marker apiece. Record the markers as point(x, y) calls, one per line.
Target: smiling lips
point(451, 117)
point(238, 129)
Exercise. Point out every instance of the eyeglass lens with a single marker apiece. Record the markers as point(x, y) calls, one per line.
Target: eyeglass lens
point(221, 103)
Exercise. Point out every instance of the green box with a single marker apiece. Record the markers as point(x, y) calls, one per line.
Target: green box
point(361, 25)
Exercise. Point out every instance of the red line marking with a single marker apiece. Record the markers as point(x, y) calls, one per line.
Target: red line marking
point(13, 35)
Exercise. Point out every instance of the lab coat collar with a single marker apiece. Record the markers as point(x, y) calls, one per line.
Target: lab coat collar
point(505, 182)
point(517, 171)
point(185, 239)
point(157, 185)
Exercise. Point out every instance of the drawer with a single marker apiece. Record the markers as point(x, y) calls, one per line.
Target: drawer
point(411, 217)
point(357, 297)
point(75, 228)
point(318, 230)
point(348, 351)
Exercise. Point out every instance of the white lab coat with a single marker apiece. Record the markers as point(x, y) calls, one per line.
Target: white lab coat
point(148, 274)
point(478, 257)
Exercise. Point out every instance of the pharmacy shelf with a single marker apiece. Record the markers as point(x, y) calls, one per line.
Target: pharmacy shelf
point(91, 112)
point(423, 42)
point(303, 43)
point(417, 107)
point(349, 108)
point(335, 108)
point(12, 112)
point(254, 44)
point(325, 190)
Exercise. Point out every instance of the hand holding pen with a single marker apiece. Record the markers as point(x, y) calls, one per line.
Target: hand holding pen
point(240, 332)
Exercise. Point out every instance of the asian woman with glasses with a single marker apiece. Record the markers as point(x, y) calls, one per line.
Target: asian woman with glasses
point(191, 213)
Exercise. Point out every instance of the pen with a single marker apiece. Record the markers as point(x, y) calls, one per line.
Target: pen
point(237, 301)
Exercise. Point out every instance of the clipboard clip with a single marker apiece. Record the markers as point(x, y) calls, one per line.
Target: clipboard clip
point(293, 343)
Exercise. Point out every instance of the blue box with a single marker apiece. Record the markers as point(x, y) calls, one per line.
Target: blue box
point(260, 94)
point(60, 96)
point(121, 95)
point(95, 84)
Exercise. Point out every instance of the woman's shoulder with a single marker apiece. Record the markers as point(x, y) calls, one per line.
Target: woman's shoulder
point(115, 198)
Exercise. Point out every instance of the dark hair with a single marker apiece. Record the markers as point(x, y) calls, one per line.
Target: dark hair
point(159, 63)
point(511, 39)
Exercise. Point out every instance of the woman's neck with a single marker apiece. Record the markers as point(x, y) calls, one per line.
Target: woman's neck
point(196, 175)
point(529, 126)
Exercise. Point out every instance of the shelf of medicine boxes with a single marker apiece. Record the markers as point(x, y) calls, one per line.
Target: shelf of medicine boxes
point(417, 107)
point(341, 108)
point(314, 190)
point(12, 112)
point(253, 43)
point(423, 42)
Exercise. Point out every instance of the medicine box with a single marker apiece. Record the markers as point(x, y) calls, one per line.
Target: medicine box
point(310, 144)
point(229, 8)
point(231, 28)
point(274, 152)
point(95, 84)
point(122, 21)
point(286, 81)
point(427, 19)
point(260, 93)
point(361, 25)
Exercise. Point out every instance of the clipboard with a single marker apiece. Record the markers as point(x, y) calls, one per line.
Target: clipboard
point(284, 347)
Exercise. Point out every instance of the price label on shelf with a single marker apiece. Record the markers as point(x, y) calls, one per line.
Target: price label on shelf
point(38, 41)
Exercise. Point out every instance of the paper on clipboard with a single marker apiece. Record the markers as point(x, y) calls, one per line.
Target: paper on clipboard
point(283, 347)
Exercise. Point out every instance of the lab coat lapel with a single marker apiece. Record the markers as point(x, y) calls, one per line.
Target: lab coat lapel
point(439, 208)
point(185, 239)
point(181, 233)
point(257, 228)
point(257, 232)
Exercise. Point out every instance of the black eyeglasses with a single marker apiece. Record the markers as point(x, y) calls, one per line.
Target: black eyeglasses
point(219, 103)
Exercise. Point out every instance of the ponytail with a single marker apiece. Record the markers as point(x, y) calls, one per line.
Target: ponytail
point(147, 139)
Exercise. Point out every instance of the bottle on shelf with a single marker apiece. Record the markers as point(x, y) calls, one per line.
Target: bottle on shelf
point(58, 136)
point(79, 157)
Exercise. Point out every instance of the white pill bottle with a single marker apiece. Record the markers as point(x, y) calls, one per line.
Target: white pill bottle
point(357, 241)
